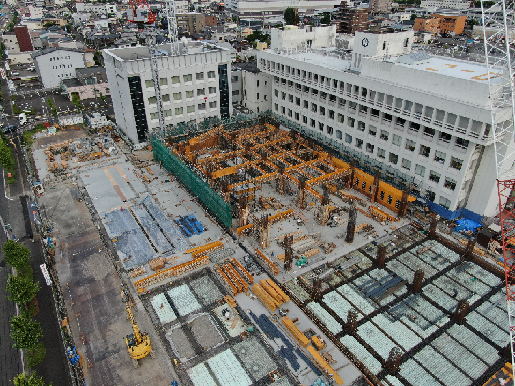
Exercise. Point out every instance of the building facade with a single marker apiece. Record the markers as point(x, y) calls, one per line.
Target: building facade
point(195, 86)
point(191, 22)
point(425, 119)
point(380, 6)
point(55, 64)
point(443, 24)
point(449, 4)
point(349, 20)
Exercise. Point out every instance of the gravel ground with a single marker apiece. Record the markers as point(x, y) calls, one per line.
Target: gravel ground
point(180, 343)
point(206, 290)
point(205, 332)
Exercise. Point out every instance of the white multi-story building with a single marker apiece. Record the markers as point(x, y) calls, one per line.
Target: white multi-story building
point(451, 4)
point(269, 9)
point(423, 118)
point(194, 86)
point(55, 64)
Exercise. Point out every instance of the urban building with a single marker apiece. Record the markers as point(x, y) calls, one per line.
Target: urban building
point(272, 9)
point(10, 41)
point(91, 82)
point(450, 4)
point(194, 86)
point(293, 37)
point(251, 88)
point(55, 64)
point(442, 24)
point(380, 6)
point(23, 37)
point(349, 20)
point(191, 22)
point(421, 118)
point(211, 20)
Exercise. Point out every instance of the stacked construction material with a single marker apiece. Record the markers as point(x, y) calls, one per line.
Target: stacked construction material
point(189, 225)
point(294, 330)
point(270, 294)
point(234, 277)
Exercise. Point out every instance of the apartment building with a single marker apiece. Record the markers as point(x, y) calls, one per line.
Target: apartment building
point(424, 119)
point(452, 24)
point(191, 22)
point(252, 88)
point(276, 8)
point(349, 20)
point(194, 86)
point(380, 6)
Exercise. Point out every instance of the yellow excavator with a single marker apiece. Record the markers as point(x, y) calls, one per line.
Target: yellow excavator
point(138, 343)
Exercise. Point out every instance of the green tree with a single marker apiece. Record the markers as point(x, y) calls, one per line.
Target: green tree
point(16, 255)
point(22, 289)
point(32, 380)
point(6, 156)
point(25, 331)
point(1, 97)
point(49, 24)
point(50, 103)
point(413, 16)
point(326, 18)
point(16, 109)
point(290, 16)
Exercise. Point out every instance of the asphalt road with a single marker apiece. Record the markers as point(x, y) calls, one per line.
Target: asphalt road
point(14, 211)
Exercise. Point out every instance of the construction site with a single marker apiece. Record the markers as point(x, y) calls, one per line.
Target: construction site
point(249, 254)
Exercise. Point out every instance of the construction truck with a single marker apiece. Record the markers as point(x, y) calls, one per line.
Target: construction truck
point(138, 343)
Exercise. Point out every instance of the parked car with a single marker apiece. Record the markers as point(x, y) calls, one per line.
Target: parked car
point(9, 129)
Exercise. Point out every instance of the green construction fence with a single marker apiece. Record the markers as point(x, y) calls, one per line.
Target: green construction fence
point(199, 187)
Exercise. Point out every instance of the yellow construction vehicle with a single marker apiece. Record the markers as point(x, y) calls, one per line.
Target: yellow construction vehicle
point(138, 343)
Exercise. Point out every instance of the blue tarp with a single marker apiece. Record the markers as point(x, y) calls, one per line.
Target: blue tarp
point(464, 225)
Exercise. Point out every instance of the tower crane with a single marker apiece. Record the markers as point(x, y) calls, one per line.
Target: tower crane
point(139, 12)
point(499, 60)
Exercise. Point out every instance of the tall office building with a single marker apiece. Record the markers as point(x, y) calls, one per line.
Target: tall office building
point(422, 118)
point(194, 86)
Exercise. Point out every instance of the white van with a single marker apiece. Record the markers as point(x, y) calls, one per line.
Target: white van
point(23, 118)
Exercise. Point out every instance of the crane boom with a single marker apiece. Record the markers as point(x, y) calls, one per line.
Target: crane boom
point(172, 26)
point(498, 59)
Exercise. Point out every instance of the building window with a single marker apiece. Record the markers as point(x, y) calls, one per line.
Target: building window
point(201, 91)
point(449, 183)
point(200, 75)
point(322, 110)
point(384, 135)
point(297, 116)
point(406, 163)
point(304, 119)
point(351, 122)
point(190, 94)
point(445, 202)
point(235, 92)
point(361, 126)
point(364, 185)
point(257, 83)
point(234, 78)
point(154, 115)
point(257, 97)
point(177, 96)
point(314, 107)
point(381, 195)
point(211, 75)
point(434, 176)
point(445, 137)
point(176, 79)
point(359, 143)
point(331, 114)
point(439, 157)
point(166, 98)
point(149, 83)
point(372, 130)
point(276, 106)
point(163, 81)
point(463, 143)
point(381, 153)
point(201, 106)
point(456, 163)
point(320, 126)
point(369, 148)
point(390, 199)
point(178, 110)
point(152, 100)
point(212, 90)
point(187, 78)
point(425, 150)
point(168, 112)
point(312, 123)
point(348, 138)
point(306, 104)
point(276, 92)
point(297, 101)
point(339, 134)
point(212, 105)
point(190, 109)
point(420, 170)
point(397, 140)
point(393, 158)
point(410, 145)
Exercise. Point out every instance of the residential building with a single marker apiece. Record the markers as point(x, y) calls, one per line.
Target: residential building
point(10, 41)
point(211, 20)
point(236, 85)
point(194, 86)
point(55, 64)
point(420, 118)
point(442, 24)
point(349, 20)
point(257, 89)
point(380, 6)
point(292, 37)
point(191, 22)
point(182, 6)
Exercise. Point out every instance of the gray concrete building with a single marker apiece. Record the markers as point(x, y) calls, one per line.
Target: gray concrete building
point(55, 64)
